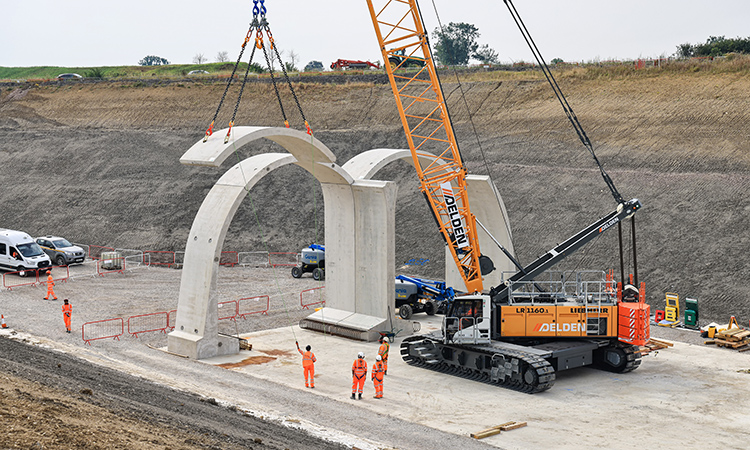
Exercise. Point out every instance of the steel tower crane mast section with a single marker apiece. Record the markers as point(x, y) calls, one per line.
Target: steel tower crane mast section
point(424, 116)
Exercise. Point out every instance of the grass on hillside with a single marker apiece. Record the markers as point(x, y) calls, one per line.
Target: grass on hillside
point(732, 63)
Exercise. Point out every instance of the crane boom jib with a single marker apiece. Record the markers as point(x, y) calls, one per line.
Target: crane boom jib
point(427, 125)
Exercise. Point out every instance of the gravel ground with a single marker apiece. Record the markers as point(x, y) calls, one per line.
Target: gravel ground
point(145, 290)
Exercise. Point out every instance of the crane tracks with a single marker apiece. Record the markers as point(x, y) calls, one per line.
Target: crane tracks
point(510, 369)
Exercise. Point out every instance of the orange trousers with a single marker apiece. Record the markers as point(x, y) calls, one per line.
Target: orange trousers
point(66, 317)
point(378, 387)
point(358, 384)
point(310, 371)
point(50, 292)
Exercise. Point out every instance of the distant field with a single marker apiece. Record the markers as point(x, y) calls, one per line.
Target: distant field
point(167, 71)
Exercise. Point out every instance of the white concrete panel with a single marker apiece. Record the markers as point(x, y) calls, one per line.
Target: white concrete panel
point(488, 207)
point(214, 151)
point(366, 164)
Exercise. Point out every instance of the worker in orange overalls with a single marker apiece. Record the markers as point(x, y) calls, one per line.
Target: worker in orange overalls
point(67, 310)
point(359, 373)
point(377, 376)
point(308, 364)
point(383, 352)
point(50, 283)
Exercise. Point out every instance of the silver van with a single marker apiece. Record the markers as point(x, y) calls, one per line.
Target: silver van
point(60, 250)
point(19, 253)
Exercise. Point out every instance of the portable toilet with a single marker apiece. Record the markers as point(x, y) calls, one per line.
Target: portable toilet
point(691, 313)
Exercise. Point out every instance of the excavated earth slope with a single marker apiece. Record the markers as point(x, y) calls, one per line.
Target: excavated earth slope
point(98, 164)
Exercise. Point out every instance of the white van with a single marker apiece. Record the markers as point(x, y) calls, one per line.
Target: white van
point(18, 252)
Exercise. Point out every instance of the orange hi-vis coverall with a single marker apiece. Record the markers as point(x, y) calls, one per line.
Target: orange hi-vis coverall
point(383, 352)
point(308, 364)
point(67, 313)
point(359, 373)
point(50, 283)
point(377, 378)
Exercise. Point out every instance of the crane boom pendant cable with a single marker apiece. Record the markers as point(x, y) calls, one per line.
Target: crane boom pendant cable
point(561, 98)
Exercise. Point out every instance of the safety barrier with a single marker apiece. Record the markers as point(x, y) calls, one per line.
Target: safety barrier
point(86, 249)
point(103, 270)
point(253, 305)
point(171, 319)
point(229, 259)
point(176, 259)
point(179, 259)
point(102, 329)
point(312, 296)
point(283, 259)
point(160, 257)
point(146, 323)
point(253, 259)
point(227, 311)
point(55, 271)
point(27, 279)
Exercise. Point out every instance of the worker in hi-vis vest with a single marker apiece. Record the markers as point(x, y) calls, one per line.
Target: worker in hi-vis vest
point(377, 376)
point(308, 365)
point(385, 346)
point(50, 283)
point(67, 310)
point(359, 373)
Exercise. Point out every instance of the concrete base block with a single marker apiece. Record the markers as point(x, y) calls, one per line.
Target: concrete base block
point(346, 323)
point(202, 347)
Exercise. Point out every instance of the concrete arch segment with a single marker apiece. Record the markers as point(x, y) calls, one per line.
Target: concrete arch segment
point(357, 216)
point(485, 201)
point(214, 151)
point(196, 327)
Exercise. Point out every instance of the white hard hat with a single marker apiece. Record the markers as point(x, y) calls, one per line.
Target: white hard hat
point(385, 339)
point(378, 358)
point(360, 355)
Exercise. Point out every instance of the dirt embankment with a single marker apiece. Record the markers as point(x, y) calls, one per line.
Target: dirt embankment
point(98, 163)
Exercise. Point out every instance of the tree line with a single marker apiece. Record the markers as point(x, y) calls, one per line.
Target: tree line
point(714, 46)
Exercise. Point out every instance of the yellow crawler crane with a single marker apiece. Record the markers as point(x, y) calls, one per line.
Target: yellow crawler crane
point(525, 330)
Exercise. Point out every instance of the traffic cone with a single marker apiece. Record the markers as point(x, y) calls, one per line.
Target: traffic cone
point(2, 321)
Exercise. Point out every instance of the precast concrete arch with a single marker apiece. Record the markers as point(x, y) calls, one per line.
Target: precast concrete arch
point(357, 214)
point(486, 205)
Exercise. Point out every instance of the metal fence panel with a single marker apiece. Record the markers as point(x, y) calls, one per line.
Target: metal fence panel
point(102, 329)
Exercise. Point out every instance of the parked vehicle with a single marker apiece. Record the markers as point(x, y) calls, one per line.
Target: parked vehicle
point(313, 260)
point(314, 66)
point(352, 64)
point(69, 76)
point(61, 251)
point(19, 253)
point(415, 295)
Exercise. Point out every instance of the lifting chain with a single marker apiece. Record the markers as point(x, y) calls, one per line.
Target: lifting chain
point(257, 26)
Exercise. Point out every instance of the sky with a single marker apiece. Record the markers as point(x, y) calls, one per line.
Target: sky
point(91, 33)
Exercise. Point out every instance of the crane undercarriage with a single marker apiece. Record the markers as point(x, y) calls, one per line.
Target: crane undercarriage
point(525, 368)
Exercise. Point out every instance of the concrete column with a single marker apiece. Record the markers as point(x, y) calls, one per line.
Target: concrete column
point(340, 239)
point(375, 249)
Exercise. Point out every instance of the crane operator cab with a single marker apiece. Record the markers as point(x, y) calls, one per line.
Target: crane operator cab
point(468, 320)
